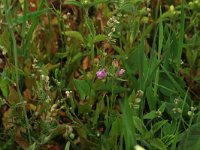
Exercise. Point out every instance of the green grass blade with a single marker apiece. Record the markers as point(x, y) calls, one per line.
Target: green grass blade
point(160, 45)
point(181, 35)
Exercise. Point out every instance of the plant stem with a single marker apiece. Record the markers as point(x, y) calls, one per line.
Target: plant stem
point(14, 48)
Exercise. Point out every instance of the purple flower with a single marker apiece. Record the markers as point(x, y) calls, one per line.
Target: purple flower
point(101, 74)
point(121, 72)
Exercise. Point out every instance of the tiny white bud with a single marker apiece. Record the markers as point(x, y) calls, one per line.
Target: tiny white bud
point(98, 134)
point(138, 147)
point(140, 93)
point(179, 110)
point(46, 78)
point(72, 136)
point(36, 113)
point(138, 100)
point(190, 113)
point(171, 8)
point(113, 29)
point(65, 16)
point(193, 108)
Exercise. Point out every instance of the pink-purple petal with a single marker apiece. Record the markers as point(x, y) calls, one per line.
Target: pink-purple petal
point(121, 72)
point(101, 74)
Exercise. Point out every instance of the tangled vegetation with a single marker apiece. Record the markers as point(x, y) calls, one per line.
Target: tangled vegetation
point(99, 74)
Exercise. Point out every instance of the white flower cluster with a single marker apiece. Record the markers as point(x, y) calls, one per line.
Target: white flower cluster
point(2, 9)
point(173, 10)
point(66, 16)
point(177, 110)
point(69, 132)
point(192, 110)
point(112, 24)
point(194, 3)
point(3, 49)
point(68, 94)
point(136, 102)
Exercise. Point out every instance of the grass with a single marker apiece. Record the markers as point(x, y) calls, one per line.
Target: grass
point(51, 96)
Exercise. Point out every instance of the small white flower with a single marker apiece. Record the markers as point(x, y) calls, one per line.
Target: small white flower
point(68, 93)
point(190, 113)
point(72, 136)
point(46, 78)
point(138, 100)
point(179, 110)
point(35, 60)
point(42, 77)
point(65, 16)
point(140, 93)
point(113, 29)
point(193, 108)
point(32, 4)
point(36, 113)
point(171, 8)
point(138, 147)
point(4, 52)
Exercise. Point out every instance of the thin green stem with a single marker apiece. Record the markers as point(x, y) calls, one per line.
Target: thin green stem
point(24, 29)
point(160, 44)
point(112, 94)
point(179, 123)
point(14, 48)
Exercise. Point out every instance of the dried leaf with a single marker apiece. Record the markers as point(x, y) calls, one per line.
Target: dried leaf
point(7, 120)
point(13, 97)
point(27, 94)
point(86, 63)
point(20, 140)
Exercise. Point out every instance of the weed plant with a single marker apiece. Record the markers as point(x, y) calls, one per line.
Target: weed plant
point(99, 74)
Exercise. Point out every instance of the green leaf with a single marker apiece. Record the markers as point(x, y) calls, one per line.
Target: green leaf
point(168, 139)
point(120, 51)
point(128, 126)
point(4, 87)
point(13, 97)
point(158, 125)
point(67, 146)
point(99, 108)
point(160, 47)
point(96, 2)
point(191, 56)
point(73, 3)
point(83, 88)
point(190, 138)
point(60, 129)
point(75, 34)
point(162, 107)
point(115, 132)
point(77, 57)
point(4, 40)
point(84, 108)
point(90, 25)
point(157, 143)
point(31, 16)
point(150, 115)
point(82, 132)
point(139, 125)
point(32, 147)
point(99, 38)
point(62, 55)
point(108, 87)
point(196, 146)
point(116, 127)
point(166, 87)
point(181, 34)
